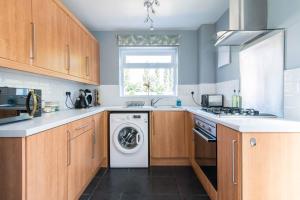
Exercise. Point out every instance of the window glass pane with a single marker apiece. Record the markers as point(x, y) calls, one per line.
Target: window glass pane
point(148, 59)
point(148, 81)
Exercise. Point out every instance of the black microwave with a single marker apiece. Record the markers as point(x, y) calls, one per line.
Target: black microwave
point(18, 104)
point(212, 100)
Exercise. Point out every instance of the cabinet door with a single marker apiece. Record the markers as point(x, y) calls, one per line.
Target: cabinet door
point(95, 60)
point(229, 163)
point(76, 60)
point(168, 135)
point(46, 162)
point(271, 164)
point(189, 124)
point(100, 149)
point(79, 163)
point(50, 38)
point(87, 56)
point(15, 30)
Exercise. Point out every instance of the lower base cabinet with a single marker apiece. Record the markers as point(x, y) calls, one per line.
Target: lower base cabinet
point(56, 164)
point(46, 165)
point(169, 139)
point(229, 164)
point(79, 163)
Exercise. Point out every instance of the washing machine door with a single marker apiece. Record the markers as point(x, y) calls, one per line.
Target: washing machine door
point(128, 138)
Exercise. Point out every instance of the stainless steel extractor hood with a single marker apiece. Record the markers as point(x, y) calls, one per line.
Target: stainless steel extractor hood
point(247, 22)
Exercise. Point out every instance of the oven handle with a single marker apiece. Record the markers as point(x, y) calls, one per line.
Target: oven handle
point(203, 136)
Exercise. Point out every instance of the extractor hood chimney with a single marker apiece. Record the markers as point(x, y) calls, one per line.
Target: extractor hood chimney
point(247, 22)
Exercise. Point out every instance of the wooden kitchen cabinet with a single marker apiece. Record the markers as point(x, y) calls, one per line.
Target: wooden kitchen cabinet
point(270, 166)
point(168, 138)
point(229, 163)
point(44, 37)
point(15, 30)
point(95, 61)
point(50, 36)
point(75, 49)
point(100, 148)
point(80, 162)
point(46, 165)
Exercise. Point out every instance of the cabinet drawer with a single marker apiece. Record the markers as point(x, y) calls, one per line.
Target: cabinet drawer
point(78, 127)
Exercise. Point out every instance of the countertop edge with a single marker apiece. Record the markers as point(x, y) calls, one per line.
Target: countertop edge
point(19, 132)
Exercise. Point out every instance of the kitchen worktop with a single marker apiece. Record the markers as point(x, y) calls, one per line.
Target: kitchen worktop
point(51, 120)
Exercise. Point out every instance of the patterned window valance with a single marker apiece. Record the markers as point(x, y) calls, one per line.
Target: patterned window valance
point(148, 40)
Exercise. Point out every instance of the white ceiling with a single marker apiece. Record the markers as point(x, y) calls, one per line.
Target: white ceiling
point(130, 14)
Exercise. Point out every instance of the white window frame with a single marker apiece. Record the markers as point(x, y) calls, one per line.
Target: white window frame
point(124, 51)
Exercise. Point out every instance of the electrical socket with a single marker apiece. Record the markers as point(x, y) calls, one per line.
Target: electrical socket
point(68, 94)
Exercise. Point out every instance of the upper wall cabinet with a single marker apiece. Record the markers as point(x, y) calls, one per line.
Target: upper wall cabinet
point(15, 31)
point(75, 49)
point(43, 37)
point(50, 36)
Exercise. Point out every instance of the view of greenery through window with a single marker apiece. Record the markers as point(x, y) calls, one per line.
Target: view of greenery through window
point(153, 81)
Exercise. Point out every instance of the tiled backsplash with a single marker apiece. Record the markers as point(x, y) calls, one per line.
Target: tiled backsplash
point(292, 94)
point(53, 89)
point(226, 88)
point(110, 95)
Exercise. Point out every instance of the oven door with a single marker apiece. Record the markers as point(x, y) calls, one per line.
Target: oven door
point(206, 154)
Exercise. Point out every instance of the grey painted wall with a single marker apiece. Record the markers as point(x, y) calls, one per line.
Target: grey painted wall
point(206, 54)
point(109, 56)
point(286, 14)
point(231, 71)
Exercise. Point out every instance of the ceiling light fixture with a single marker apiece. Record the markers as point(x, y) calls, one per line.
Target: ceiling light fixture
point(149, 6)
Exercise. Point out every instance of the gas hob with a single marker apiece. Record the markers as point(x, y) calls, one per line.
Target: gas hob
point(236, 112)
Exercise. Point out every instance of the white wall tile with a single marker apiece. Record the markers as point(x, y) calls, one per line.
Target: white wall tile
point(226, 88)
point(110, 95)
point(292, 94)
point(53, 89)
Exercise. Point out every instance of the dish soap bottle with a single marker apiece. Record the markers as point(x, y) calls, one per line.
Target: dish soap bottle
point(178, 103)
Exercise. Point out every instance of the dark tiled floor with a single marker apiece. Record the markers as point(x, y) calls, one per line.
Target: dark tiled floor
point(155, 183)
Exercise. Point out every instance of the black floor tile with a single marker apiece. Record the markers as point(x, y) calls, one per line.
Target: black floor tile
point(146, 184)
point(161, 171)
point(98, 195)
point(164, 185)
point(84, 197)
point(195, 197)
point(92, 186)
point(139, 172)
point(190, 186)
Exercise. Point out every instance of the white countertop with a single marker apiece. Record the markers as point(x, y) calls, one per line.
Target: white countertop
point(251, 124)
point(51, 120)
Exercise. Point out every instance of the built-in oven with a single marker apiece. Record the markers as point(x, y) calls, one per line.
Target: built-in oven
point(205, 140)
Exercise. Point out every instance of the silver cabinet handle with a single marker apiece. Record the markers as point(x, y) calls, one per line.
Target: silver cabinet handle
point(68, 58)
point(233, 162)
point(87, 65)
point(81, 127)
point(93, 146)
point(69, 149)
point(32, 50)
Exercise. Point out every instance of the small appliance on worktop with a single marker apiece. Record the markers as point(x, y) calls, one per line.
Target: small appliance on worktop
point(19, 104)
point(84, 100)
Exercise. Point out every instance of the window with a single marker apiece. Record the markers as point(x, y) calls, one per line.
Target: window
point(148, 71)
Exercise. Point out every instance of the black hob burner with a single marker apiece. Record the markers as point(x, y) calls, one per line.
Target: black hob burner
point(229, 111)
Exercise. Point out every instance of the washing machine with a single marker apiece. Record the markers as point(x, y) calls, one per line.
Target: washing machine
point(129, 140)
